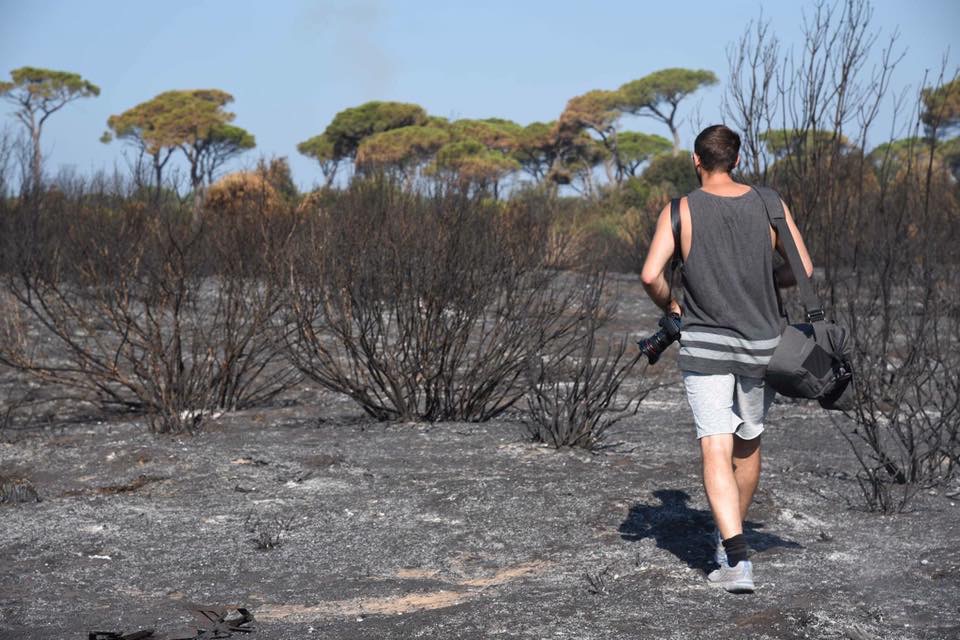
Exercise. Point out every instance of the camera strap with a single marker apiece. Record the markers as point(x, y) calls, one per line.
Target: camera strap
point(676, 262)
point(675, 225)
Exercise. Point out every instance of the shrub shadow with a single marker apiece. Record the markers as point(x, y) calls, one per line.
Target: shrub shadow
point(685, 532)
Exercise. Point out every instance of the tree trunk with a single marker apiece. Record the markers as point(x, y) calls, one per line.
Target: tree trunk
point(197, 201)
point(611, 171)
point(158, 171)
point(618, 165)
point(196, 181)
point(36, 167)
point(676, 138)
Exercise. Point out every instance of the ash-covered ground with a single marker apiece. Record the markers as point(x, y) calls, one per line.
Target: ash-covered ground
point(456, 530)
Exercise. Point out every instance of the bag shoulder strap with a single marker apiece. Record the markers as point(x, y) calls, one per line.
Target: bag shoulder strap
point(774, 208)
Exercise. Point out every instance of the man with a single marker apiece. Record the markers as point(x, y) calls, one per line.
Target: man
point(731, 325)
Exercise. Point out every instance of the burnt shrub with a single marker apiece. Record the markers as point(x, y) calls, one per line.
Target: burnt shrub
point(425, 304)
point(905, 427)
point(268, 532)
point(900, 301)
point(577, 393)
point(881, 225)
point(134, 306)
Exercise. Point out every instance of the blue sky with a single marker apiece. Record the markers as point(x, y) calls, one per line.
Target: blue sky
point(292, 65)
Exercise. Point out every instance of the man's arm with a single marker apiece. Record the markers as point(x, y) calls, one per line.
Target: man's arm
point(783, 275)
point(658, 256)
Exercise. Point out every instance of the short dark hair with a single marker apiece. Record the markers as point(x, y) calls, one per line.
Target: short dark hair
point(718, 147)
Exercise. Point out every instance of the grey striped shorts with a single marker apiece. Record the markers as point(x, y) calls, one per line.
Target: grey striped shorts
point(728, 403)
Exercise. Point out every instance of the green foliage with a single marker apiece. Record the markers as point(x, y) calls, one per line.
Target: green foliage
point(437, 121)
point(536, 148)
point(193, 121)
point(472, 161)
point(658, 94)
point(898, 158)
point(901, 150)
point(481, 151)
point(493, 133)
point(318, 147)
point(596, 110)
point(459, 149)
point(401, 136)
point(942, 105)
point(46, 90)
point(950, 149)
point(179, 118)
point(665, 87)
point(635, 148)
point(783, 142)
point(139, 125)
point(474, 150)
point(342, 138)
point(188, 117)
point(578, 157)
point(223, 141)
point(634, 193)
point(232, 136)
point(350, 126)
point(401, 148)
point(675, 173)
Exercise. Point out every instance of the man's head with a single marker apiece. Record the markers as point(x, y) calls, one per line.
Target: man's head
point(716, 149)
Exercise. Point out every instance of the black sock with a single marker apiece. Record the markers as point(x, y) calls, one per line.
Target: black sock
point(736, 548)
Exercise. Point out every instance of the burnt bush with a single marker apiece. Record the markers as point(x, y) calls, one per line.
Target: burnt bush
point(268, 532)
point(881, 225)
point(133, 306)
point(426, 304)
point(900, 301)
point(576, 393)
point(905, 427)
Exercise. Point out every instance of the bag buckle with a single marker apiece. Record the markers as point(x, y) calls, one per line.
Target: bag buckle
point(815, 316)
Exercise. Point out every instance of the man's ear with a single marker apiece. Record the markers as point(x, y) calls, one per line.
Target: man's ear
point(737, 162)
point(696, 160)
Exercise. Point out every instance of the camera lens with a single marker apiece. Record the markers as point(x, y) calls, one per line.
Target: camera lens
point(656, 344)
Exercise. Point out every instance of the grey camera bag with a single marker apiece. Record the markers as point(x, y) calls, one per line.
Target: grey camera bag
point(813, 358)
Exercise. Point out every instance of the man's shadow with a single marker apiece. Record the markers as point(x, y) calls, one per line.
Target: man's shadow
point(685, 532)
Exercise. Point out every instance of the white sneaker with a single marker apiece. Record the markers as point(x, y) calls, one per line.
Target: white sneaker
point(735, 579)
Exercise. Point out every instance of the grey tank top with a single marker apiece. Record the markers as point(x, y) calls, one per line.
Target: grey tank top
point(731, 319)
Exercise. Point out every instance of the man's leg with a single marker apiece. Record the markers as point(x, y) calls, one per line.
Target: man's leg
point(711, 398)
point(721, 485)
point(746, 470)
point(752, 401)
point(723, 493)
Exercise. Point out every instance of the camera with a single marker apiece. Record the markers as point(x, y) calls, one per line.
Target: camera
point(656, 344)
